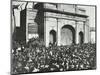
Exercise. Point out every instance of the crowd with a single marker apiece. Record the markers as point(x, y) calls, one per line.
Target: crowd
point(28, 58)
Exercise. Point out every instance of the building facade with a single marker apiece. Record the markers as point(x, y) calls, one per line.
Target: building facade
point(60, 24)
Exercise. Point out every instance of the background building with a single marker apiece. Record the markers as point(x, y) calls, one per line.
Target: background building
point(61, 24)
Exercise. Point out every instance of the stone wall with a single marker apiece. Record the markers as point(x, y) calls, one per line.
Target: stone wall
point(55, 21)
point(55, 18)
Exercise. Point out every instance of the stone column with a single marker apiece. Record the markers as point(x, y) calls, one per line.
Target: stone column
point(59, 32)
point(84, 32)
point(46, 33)
point(76, 34)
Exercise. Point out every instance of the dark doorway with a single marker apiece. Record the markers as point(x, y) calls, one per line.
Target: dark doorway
point(81, 37)
point(52, 36)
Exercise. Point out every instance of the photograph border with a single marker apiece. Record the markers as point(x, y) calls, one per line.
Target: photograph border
point(56, 3)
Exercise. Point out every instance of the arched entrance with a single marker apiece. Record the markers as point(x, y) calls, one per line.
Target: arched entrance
point(81, 37)
point(67, 35)
point(52, 37)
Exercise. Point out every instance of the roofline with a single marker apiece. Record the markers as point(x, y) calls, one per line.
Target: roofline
point(68, 13)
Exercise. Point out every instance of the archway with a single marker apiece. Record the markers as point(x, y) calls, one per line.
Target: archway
point(52, 37)
point(81, 37)
point(67, 35)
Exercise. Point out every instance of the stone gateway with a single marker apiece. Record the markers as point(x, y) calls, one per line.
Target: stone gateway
point(59, 24)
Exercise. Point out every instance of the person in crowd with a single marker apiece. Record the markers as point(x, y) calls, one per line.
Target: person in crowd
point(53, 58)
